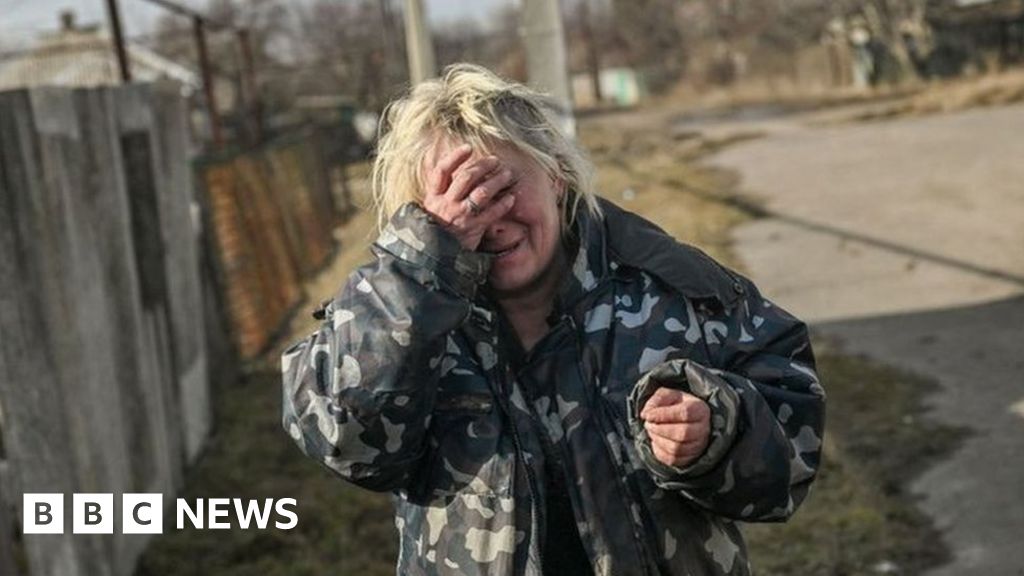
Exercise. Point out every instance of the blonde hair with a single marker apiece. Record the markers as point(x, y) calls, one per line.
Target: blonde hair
point(471, 104)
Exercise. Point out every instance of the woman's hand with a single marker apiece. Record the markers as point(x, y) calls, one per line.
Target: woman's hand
point(679, 425)
point(461, 194)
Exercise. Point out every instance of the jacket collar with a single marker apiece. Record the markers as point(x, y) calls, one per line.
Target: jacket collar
point(601, 244)
point(622, 238)
point(589, 262)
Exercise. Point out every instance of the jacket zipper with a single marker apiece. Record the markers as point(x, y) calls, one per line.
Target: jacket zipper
point(558, 449)
point(634, 492)
point(598, 411)
point(503, 396)
point(537, 512)
point(554, 447)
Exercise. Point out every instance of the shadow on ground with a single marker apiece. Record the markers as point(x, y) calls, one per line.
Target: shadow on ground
point(861, 517)
point(973, 353)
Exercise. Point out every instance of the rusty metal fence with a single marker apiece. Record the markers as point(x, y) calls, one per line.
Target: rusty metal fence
point(270, 213)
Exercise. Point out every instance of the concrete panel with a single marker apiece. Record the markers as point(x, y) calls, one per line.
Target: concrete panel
point(103, 374)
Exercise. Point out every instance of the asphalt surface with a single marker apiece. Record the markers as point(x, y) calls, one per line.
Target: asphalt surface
point(904, 240)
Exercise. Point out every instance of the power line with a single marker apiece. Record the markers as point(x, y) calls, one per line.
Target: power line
point(182, 10)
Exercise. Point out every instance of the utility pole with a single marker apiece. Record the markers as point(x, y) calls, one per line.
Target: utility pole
point(546, 60)
point(593, 62)
point(389, 39)
point(418, 43)
point(114, 15)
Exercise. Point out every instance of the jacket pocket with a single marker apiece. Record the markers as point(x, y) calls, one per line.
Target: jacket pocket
point(456, 535)
point(469, 454)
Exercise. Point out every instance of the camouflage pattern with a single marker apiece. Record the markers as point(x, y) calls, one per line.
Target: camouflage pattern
point(404, 388)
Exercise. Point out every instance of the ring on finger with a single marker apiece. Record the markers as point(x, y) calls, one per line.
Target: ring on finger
point(474, 208)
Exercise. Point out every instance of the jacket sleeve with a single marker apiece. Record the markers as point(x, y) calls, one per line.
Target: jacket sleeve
point(358, 393)
point(767, 407)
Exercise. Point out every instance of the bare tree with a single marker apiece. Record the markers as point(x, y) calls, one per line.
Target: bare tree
point(893, 22)
point(650, 36)
point(268, 25)
point(352, 48)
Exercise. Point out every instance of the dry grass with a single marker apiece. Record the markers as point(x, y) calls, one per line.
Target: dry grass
point(952, 96)
point(656, 176)
point(354, 238)
point(859, 517)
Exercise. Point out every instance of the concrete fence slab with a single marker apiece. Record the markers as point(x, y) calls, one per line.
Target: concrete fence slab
point(103, 359)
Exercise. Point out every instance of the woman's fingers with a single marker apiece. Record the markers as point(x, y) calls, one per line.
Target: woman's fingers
point(489, 188)
point(678, 425)
point(496, 210)
point(475, 208)
point(695, 432)
point(441, 173)
point(674, 454)
point(466, 194)
point(664, 396)
point(468, 176)
point(683, 407)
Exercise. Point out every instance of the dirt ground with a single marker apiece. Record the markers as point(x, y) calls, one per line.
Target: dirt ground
point(909, 233)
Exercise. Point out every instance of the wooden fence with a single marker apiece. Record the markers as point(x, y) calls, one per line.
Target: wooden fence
point(103, 357)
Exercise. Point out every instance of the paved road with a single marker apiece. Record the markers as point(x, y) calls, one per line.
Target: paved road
point(905, 239)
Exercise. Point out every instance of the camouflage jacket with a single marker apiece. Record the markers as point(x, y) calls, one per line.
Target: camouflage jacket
point(404, 388)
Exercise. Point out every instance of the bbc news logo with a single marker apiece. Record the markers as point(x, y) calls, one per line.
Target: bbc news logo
point(143, 513)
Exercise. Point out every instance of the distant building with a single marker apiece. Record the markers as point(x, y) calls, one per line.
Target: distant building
point(619, 87)
point(83, 56)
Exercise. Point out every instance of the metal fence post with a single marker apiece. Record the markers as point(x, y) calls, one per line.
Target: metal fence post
point(208, 89)
point(249, 75)
point(115, 28)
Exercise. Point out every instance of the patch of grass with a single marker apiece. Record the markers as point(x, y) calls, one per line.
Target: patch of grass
point(341, 529)
point(656, 176)
point(859, 515)
point(954, 95)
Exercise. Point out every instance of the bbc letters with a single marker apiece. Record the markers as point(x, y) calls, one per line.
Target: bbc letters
point(143, 513)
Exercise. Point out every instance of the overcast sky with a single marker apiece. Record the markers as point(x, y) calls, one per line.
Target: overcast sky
point(22, 20)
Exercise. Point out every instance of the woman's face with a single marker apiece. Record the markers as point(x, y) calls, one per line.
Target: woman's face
point(526, 241)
